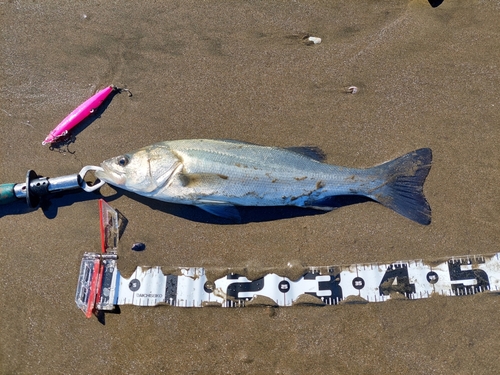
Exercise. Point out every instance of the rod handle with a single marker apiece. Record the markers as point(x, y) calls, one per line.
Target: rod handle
point(7, 194)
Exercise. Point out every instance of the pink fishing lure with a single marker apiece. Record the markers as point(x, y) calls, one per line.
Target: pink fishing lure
point(79, 114)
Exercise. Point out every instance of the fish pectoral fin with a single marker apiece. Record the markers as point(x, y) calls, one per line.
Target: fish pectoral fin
point(165, 178)
point(221, 209)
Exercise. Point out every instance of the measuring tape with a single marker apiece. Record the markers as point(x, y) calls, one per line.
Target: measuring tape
point(102, 287)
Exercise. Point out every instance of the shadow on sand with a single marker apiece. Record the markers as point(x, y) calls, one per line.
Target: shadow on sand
point(50, 207)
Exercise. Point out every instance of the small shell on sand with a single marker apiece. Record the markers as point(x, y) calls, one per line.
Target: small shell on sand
point(314, 40)
point(352, 89)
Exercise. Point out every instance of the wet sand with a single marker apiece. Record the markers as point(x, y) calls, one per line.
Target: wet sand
point(239, 70)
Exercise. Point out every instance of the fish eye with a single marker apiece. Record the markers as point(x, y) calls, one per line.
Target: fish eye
point(123, 160)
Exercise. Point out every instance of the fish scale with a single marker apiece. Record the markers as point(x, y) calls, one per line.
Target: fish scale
point(247, 177)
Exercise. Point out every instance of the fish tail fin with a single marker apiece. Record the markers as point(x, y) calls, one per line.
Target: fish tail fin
point(403, 185)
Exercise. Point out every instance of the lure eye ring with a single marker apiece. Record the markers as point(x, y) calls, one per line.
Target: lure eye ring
point(123, 160)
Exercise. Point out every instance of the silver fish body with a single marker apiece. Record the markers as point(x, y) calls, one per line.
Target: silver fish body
point(217, 175)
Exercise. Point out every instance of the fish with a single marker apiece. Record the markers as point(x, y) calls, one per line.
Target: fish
point(220, 175)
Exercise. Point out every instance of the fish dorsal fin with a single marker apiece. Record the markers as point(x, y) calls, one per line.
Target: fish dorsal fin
point(310, 151)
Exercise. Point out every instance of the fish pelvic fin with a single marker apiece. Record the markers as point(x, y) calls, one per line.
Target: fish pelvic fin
point(403, 185)
point(221, 209)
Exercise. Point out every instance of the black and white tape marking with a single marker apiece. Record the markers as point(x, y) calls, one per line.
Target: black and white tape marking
point(102, 287)
point(329, 285)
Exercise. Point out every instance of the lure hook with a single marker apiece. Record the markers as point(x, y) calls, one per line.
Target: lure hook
point(119, 90)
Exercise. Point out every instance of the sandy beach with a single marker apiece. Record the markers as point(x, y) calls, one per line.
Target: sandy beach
point(426, 77)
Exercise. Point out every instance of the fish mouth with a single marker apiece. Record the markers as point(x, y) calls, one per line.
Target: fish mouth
point(110, 176)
